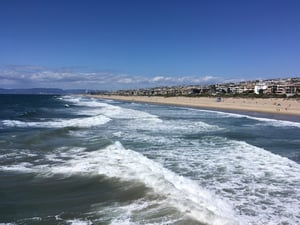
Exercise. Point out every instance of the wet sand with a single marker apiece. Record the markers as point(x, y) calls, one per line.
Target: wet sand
point(268, 105)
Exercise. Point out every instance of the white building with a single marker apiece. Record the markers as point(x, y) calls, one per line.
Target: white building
point(260, 87)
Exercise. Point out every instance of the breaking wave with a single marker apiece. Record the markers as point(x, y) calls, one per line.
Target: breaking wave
point(117, 162)
point(60, 123)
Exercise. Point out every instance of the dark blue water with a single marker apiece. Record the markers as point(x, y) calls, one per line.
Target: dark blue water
point(77, 160)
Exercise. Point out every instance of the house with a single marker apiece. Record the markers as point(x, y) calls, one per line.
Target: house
point(260, 88)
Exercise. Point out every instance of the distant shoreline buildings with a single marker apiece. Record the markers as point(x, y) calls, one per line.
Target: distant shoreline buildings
point(287, 87)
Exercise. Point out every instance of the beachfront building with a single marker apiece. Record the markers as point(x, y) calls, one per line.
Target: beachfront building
point(290, 90)
point(272, 87)
point(260, 88)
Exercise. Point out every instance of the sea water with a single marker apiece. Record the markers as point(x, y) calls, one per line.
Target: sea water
point(80, 160)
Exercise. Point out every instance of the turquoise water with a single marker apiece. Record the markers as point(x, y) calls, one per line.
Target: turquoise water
point(78, 160)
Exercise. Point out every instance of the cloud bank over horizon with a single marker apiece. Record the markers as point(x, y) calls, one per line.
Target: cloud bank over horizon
point(29, 76)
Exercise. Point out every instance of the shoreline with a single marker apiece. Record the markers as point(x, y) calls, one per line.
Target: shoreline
point(275, 106)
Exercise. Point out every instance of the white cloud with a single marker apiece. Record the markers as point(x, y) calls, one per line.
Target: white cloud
point(208, 78)
point(35, 76)
point(161, 78)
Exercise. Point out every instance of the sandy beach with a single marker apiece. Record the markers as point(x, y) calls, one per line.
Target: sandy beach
point(268, 105)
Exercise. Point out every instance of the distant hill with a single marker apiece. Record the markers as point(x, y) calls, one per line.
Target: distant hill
point(42, 91)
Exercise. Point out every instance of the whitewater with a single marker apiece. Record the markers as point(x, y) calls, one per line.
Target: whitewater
point(80, 160)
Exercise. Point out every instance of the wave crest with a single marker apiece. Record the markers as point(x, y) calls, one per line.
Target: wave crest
point(77, 122)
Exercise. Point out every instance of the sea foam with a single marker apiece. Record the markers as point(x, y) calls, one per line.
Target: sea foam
point(60, 123)
point(264, 121)
point(263, 187)
point(116, 161)
point(95, 107)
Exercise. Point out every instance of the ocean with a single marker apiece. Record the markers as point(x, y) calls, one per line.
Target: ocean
point(79, 160)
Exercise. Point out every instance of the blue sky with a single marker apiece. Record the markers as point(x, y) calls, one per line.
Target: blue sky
point(111, 44)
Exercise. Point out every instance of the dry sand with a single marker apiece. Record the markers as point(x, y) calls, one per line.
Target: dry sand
point(267, 105)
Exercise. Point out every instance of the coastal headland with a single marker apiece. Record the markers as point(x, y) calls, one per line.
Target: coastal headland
point(285, 106)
